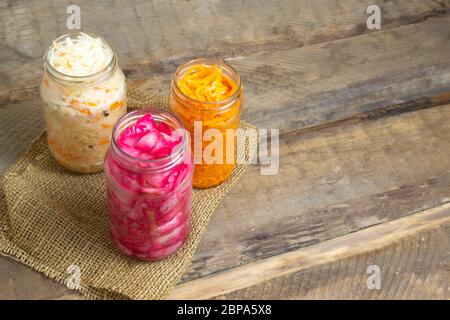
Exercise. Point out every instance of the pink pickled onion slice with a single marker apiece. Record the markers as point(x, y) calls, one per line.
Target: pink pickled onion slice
point(170, 238)
point(163, 148)
point(157, 180)
point(164, 128)
point(179, 219)
point(129, 139)
point(147, 140)
point(147, 121)
point(172, 139)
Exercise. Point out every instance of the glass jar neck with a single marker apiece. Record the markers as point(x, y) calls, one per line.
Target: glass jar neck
point(63, 78)
point(219, 106)
point(152, 165)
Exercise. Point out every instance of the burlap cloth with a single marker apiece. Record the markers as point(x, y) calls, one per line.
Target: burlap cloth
point(51, 219)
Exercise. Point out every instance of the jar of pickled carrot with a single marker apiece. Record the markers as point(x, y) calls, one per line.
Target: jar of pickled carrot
point(207, 94)
point(84, 94)
point(149, 184)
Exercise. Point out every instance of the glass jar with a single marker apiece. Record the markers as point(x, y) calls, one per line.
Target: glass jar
point(221, 115)
point(81, 110)
point(149, 201)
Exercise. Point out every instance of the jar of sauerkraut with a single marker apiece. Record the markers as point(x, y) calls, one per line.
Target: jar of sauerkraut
point(84, 94)
point(206, 95)
point(149, 184)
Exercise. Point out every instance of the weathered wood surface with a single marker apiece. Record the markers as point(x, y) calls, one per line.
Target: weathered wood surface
point(332, 182)
point(296, 88)
point(410, 251)
point(307, 86)
point(365, 125)
point(418, 242)
point(413, 268)
point(160, 34)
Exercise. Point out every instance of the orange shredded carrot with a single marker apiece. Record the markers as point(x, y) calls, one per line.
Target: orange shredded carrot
point(91, 104)
point(104, 141)
point(86, 111)
point(206, 83)
point(106, 126)
point(116, 105)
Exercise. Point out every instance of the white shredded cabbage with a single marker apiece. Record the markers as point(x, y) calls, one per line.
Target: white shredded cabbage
point(82, 55)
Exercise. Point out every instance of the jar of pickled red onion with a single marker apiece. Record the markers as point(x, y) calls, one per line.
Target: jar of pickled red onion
point(84, 94)
point(207, 93)
point(149, 184)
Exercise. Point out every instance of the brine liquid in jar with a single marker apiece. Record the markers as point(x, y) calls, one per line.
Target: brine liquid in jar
point(149, 184)
point(84, 94)
point(208, 93)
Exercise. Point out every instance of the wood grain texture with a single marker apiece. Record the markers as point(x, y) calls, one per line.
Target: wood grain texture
point(332, 182)
point(412, 253)
point(417, 267)
point(298, 88)
point(366, 243)
point(20, 124)
point(307, 86)
point(20, 282)
point(157, 35)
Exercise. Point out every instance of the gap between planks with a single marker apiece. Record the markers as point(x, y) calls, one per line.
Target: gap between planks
point(369, 239)
point(421, 103)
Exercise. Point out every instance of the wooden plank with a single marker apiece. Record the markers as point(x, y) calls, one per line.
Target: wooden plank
point(297, 88)
point(412, 268)
point(334, 181)
point(20, 124)
point(393, 68)
point(412, 253)
point(158, 35)
point(354, 245)
point(20, 282)
point(303, 87)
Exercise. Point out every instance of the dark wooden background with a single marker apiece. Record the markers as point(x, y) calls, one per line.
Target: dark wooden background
point(364, 117)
